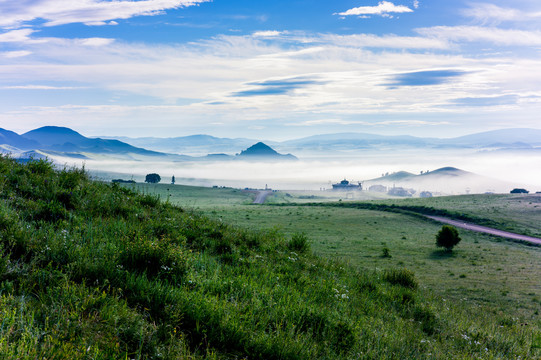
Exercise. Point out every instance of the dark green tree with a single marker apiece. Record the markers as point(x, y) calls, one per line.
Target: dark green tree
point(153, 178)
point(447, 237)
point(173, 180)
point(519, 191)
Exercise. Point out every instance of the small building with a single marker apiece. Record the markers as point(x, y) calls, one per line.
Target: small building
point(378, 188)
point(345, 185)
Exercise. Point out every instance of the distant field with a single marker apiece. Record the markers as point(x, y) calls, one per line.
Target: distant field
point(513, 212)
point(195, 197)
point(500, 275)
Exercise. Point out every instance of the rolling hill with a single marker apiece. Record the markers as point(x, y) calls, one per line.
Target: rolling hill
point(446, 180)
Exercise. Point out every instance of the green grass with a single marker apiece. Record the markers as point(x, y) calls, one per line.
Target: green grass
point(95, 271)
point(512, 212)
point(359, 236)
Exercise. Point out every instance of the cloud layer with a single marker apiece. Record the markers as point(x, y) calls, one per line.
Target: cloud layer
point(432, 76)
point(91, 12)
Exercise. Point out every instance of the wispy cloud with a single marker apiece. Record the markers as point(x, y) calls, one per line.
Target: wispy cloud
point(487, 13)
point(40, 87)
point(91, 12)
point(489, 101)
point(383, 8)
point(237, 79)
point(19, 36)
point(492, 35)
point(425, 78)
point(391, 123)
point(277, 86)
point(15, 54)
point(386, 41)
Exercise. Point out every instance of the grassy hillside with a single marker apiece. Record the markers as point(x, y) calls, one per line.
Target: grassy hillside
point(94, 271)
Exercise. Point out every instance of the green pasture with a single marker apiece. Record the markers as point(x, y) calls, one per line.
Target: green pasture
point(499, 274)
point(520, 213)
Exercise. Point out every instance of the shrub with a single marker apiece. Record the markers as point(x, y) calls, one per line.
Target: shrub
point(402, 277)
point(426, 317)
point(385, 252)
point(298, 242)
point(447, 237)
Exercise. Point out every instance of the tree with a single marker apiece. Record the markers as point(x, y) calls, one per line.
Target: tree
point(519, 191)
point(173, 180)
point(153, 178)
point(447, 237)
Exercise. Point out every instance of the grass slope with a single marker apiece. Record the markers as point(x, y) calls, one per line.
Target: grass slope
point(95, 271)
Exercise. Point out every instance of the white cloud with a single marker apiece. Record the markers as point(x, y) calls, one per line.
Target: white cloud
point(386, 41)
point(96, 41)
point(15, 54)
point(95, 12)
point(483, 34)
point(20, 35)
point(268, 33)
point(40, 87)
point(492, 14)
point(383, 8)
point(351, 87)
point(416, 4)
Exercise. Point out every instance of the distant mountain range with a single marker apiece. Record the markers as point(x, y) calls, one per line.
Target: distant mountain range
point(54, 141)
point(61, 141)
point(194, 145)
point(198, 145)
point(58, 143)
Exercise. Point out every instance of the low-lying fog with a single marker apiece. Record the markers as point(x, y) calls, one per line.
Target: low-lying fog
point(499, 172)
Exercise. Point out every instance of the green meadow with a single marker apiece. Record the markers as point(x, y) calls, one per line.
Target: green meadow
point(90, 270)
point(498, 274)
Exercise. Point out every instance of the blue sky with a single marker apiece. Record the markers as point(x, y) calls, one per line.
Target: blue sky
point(270, 69)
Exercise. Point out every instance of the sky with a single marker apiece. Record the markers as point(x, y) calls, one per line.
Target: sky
point(270, 69)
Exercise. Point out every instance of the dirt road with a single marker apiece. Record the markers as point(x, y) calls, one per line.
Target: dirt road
point(486, 230)
point(261, 196)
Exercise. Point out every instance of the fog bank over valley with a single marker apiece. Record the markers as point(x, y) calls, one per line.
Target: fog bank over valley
point(491, 172)
point(495, 161)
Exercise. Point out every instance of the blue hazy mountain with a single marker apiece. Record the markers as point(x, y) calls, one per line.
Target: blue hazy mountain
point(15, 140)
point(261, 151)
point(499, 138)
point(201, 145)
point(502, 139)
point(67, 142)
point(355, 140)
point(62, 139)
point(195, 145)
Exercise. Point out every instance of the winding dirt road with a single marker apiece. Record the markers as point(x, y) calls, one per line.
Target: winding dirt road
point(261, 196)
point(486, 230)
